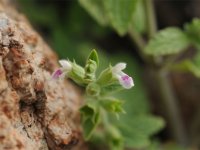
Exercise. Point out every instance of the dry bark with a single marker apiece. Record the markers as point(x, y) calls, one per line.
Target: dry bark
point(36, 113)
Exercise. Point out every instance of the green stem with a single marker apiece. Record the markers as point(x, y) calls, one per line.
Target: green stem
point(169, 101)
point(164, 84)
point(137, 39)
point(140, 43)
point(151, 25)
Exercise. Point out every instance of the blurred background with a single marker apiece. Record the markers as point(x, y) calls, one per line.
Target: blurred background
point(71, 31)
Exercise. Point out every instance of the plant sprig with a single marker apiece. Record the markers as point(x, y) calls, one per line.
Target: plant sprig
point(99, 102)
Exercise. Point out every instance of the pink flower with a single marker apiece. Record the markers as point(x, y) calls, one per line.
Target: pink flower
point(61, 72)
point(57, 74)
point(125, 80)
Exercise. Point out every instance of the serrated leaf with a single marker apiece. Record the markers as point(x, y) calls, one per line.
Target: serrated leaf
point(96, 9)
point(120, 13)
point(168, 41)
point(193, 31)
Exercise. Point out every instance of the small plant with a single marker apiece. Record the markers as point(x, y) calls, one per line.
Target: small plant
point(99, 102)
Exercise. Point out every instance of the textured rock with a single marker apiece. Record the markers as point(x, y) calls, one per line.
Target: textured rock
point(36, 113)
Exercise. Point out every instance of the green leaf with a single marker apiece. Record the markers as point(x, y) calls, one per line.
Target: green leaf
point(94, 56)
point(90, 119)
point(139, 19)
point(112, 105)
point(168, 41)
point(147, 125)
point(120, 13)
point(137, 141)
point(90, 71)
point(192, 66)
point(91, 66)
point(133, 138)
point(140, 129)
point(193, 31)
point(96, 9)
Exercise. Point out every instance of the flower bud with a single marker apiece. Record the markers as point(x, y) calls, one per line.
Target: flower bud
point(93, 89)
point(90, 70)
point(77, 74)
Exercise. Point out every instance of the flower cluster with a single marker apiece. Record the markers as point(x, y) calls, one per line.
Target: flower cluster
point(98, 101)
point(124, 80)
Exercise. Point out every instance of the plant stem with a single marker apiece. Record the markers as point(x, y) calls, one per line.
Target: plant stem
point(164, 84)
point(137, 38)
point(151, 24)
point(171, 107)
point(140, 43)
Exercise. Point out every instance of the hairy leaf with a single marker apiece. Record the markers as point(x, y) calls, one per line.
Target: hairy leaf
point(168, 41)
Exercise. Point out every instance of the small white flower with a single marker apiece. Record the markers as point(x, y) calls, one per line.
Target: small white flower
point(125, 80)
point(118, 68)
point(66, 66)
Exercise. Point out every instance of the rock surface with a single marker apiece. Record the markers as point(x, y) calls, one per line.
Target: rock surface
point(36, 113)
